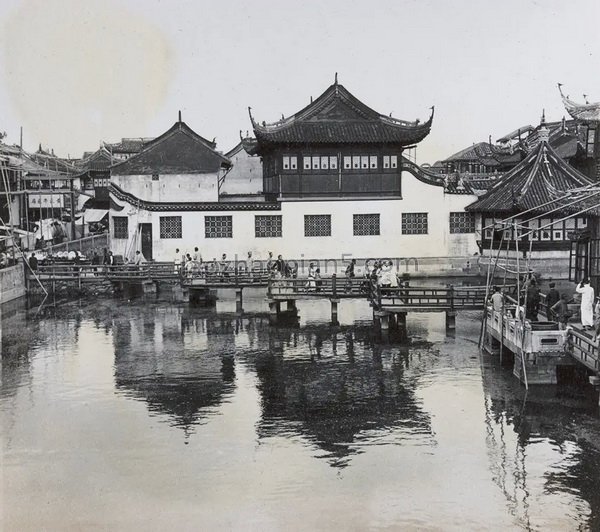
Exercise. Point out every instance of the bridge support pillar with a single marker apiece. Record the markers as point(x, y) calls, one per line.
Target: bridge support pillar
point(203, 296)
point(401, 326)
point(239, 301)
point(334, 311)
point(149, 287)
point(274, 311)
point(291, 305)
point(450, 320)
point(385, 321)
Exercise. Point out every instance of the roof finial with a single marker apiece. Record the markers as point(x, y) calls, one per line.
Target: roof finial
point(179, 116)
point(543, 132)
point(311, 99)
point(585, 99)
point(251, 117)
point(336, 81)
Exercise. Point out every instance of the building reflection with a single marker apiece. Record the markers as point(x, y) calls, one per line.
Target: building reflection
point(162, 356)
point(22, 330)
point(335, 387)
point(338, 389)
point(517, 419)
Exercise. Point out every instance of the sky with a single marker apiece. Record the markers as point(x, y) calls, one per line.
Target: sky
point(74, 73)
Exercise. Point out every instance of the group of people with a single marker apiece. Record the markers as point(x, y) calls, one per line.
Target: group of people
point(557, 304)
point(383, 273)
point(192, 264)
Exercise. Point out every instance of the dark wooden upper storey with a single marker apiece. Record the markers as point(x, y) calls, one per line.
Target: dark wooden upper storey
point(336, 146)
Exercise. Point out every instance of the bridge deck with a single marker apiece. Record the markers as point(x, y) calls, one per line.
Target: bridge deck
point(159, 271)
point(325, 288)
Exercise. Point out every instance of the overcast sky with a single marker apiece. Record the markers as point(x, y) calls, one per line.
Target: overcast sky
point(75, 72)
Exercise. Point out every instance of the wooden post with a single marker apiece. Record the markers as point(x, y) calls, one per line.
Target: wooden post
point(274, 309)
point(334, 287)
point(239, 300)
point(401, 325)
point(385, 321)
point(334, 311)
point(450, 320)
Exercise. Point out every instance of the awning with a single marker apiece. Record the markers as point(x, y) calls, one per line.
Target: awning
point(93, 215)
point(15, 230)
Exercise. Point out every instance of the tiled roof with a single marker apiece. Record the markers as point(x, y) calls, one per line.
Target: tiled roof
point(179, 150)
point(128, 145)
point(120, 194)
point(542, 177)
point(52, 163)
point(487, 154)
point(586, 112)
point(338, 117)
point(98, 160)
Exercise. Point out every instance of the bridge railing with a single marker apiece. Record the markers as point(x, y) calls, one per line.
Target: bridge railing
point(584, 350)
point(327, 287)
point(83, 245)
point(233, 278)
point(69, 271)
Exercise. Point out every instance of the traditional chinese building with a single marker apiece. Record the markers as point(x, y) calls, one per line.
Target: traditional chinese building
point(585, 250)
point(336, 167)
point(588, 115)
point(328, 181)
point(95, 176)
point(533, 198)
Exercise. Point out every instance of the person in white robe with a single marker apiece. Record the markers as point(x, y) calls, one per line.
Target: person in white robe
point(587, 303)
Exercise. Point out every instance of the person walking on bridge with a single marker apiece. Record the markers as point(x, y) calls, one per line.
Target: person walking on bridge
point(497, 299)
point(587, 303)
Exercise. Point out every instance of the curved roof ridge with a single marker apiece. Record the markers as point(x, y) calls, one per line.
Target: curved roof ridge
point(535, 183)
point(177, 127)
point(337, 91)
point(535, 166)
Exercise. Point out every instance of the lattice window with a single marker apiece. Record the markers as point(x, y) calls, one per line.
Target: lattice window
point(366, 224)
point(218, 227)
point(414, 223)
point(170, 227)
point(390, 161)
point(268, 226)
point(290, 162)
point(462, 222)
point(317, 225)
point(120, 227)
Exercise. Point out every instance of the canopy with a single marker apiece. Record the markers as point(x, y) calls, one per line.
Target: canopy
point(93, 215)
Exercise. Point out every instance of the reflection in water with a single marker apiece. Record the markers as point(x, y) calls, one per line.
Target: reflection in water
point(163, 358)
point(519, 424)
point(337, 389)
point(271, 414)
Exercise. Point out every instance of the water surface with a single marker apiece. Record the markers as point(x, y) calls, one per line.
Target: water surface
point(149, 415)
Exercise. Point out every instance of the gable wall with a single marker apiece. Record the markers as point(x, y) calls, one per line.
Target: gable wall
point(170, 187)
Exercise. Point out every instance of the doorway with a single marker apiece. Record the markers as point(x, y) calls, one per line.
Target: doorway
point(146, 240)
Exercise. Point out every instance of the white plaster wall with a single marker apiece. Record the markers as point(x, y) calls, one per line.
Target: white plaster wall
point(170, 187)
point(246, 176)
point(417, 197)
